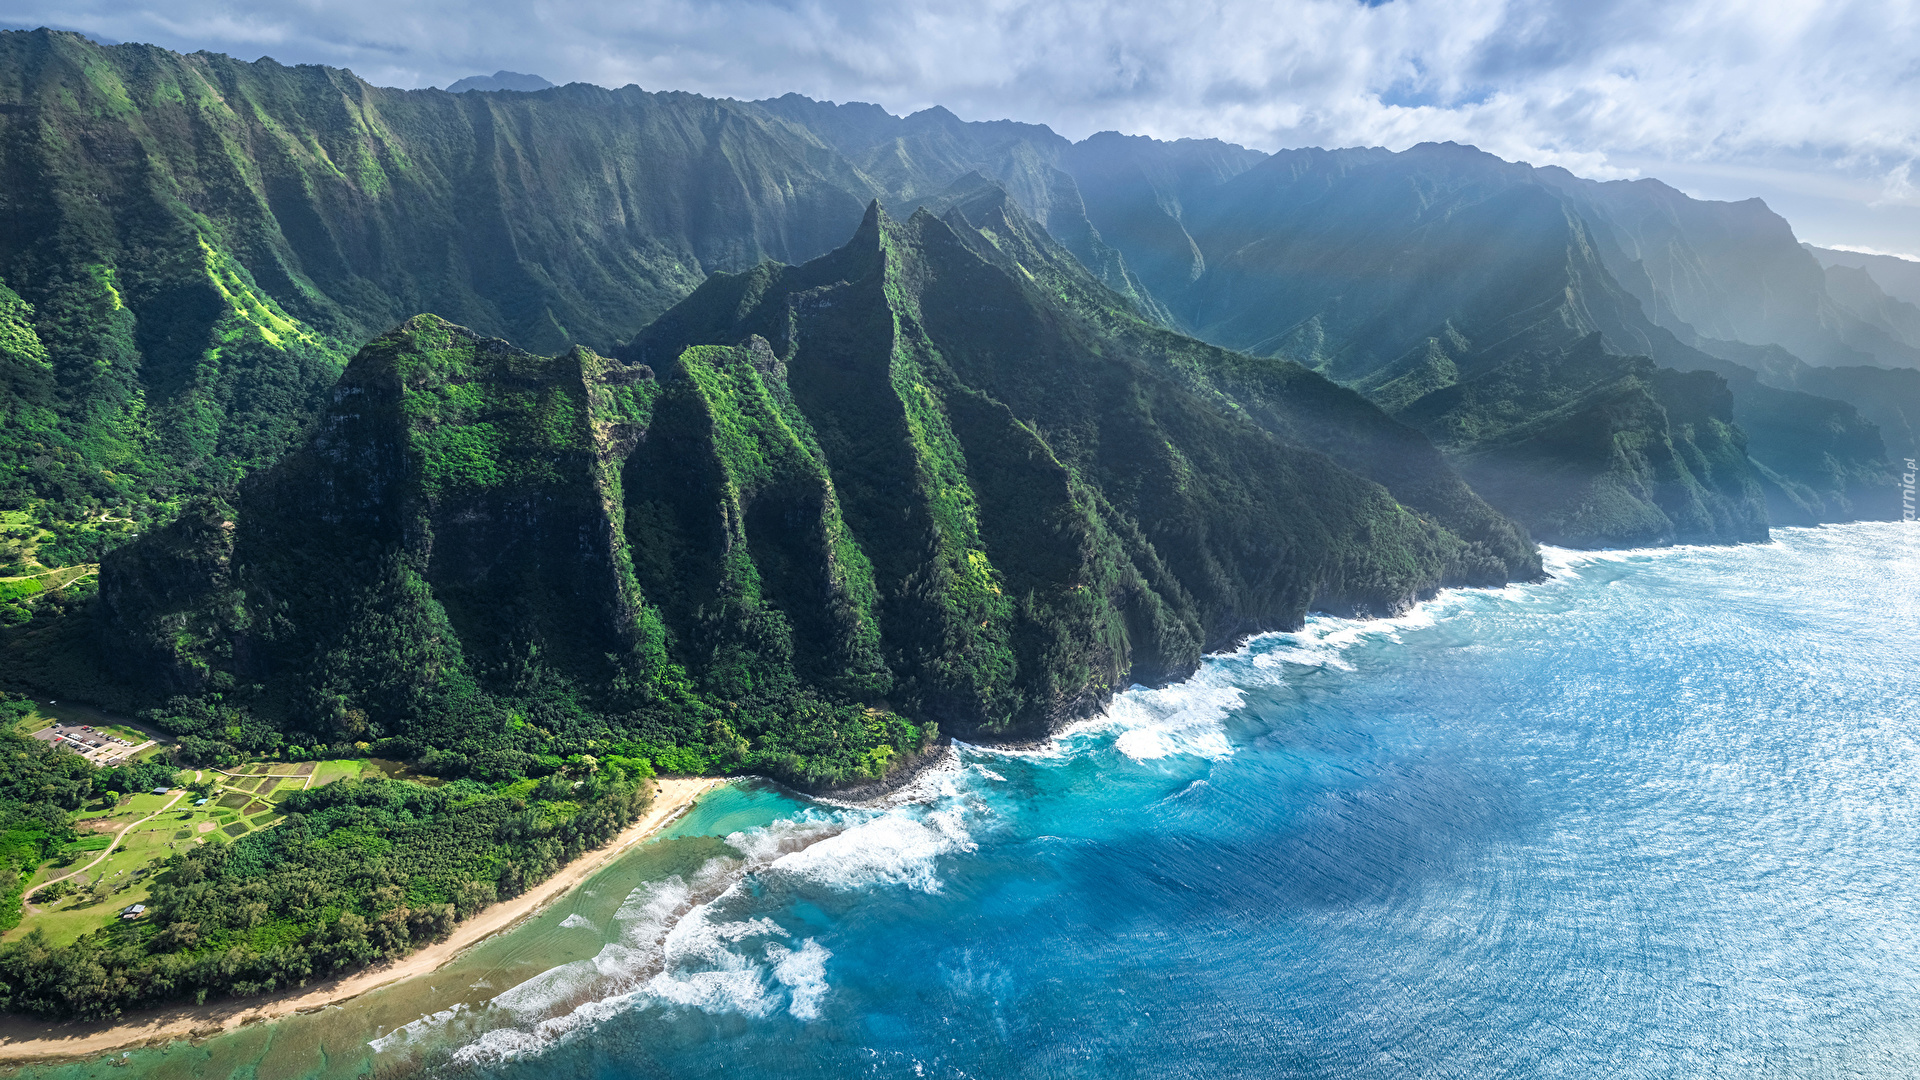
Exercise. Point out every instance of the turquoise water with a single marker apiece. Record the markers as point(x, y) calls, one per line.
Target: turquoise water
point(1655, 817)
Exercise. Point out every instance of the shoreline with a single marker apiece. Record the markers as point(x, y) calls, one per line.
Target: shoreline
point(25, 1039)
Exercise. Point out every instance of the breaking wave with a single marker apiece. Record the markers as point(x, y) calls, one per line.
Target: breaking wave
point(705, 942)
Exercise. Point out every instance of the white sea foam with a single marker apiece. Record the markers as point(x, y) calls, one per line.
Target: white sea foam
point(695, 943)
point(575, 922)
point(679, 947)
point(1565, 562)
point(411, 1032)
point(703, 970)
point(899, 847)
point(1188, 718)
point(804, 973)
point(1185, 718)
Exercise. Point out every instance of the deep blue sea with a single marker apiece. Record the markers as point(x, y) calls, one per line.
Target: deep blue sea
point(1656, 817)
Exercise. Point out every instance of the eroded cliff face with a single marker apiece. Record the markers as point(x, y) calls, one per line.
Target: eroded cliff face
point(1593, 449)
point(1402, 274)
point(203, 243)
point(979, 397)
point(941, 479)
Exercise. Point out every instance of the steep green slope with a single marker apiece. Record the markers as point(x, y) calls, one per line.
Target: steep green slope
point(1280, 396)
point(485, 555)
point(198, 244)
point(1402, 274)
point(1731, 271)
point(942, 476)
point(963, 336)
point(1589, 448)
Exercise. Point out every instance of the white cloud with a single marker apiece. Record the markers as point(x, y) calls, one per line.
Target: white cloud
point(1910, 257)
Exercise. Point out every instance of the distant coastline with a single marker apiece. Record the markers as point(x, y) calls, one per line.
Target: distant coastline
point(23, 1039)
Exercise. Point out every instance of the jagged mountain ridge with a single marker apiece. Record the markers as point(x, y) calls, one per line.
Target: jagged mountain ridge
point(192, 308)
point(203, 242)
point(1388, 271)
point(941, 476)
point(1854, 288)
point(1897, 276)
point(914, 159)
point(1727, 271)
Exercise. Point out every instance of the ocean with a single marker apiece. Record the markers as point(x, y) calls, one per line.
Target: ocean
point(1658, 816)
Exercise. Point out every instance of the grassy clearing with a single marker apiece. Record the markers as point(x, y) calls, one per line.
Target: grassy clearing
point(242, 802)
point(123, 876)
point(47, 713)
point(129, 808)
point(99, 894)
point(327, 772)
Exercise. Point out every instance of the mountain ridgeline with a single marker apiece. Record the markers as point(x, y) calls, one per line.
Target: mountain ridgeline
point(939, 479)
point(1400, 274)
point(672, 462)
point(198, 244)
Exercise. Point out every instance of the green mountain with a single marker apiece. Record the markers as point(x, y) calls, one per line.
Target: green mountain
point(1724, 271)
point(941, 476)
point(1593, 449)
point(678, 476)
point(197, 244)
point(202, 243)
point(1389, 272)
point(913, 159)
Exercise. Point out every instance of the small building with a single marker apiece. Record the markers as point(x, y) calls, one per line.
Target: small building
point(161, 790)
point(204, 801)
point(134, 911)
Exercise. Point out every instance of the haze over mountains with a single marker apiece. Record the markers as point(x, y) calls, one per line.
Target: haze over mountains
point(499, 80)
point(1407, 364)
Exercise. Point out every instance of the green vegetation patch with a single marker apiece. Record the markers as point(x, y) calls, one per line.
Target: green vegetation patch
point(278, 906)
point(20, 588)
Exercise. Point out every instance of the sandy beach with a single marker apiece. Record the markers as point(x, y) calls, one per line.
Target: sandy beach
point(26, 1039)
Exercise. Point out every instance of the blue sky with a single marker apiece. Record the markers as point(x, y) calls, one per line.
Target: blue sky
point(1813, 106)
